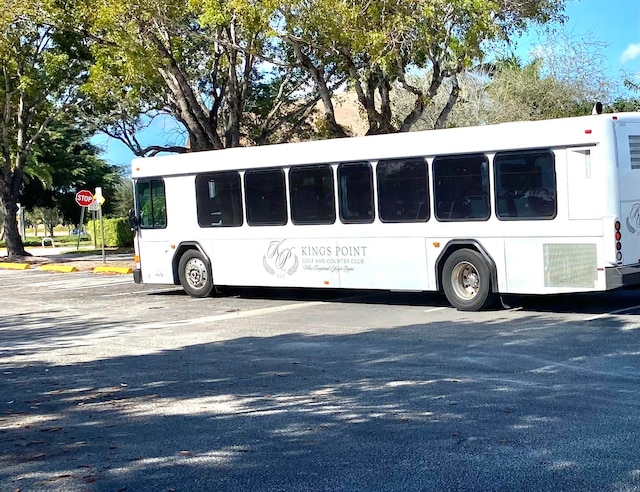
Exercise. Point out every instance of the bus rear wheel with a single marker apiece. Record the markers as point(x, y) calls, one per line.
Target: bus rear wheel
point(195, 274)
point(466, 280)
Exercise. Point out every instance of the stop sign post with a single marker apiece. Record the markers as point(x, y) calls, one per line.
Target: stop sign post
point(84, 198)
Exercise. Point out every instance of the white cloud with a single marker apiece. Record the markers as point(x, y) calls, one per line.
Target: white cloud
point(632, 52)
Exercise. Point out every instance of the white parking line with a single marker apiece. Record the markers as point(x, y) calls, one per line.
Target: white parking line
point(434, 309)
point(226, 316)
point(618, 311)
point(95, 283)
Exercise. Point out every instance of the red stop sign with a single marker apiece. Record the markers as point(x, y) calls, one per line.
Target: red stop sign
point(84, 198)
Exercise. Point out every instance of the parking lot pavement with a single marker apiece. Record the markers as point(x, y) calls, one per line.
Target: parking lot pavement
point(108, 385)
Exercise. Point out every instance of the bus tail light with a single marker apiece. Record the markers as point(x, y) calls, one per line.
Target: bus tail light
point(618, 237)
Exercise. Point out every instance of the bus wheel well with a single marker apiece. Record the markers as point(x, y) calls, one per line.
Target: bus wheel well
point(181, 250)
point(470, 244)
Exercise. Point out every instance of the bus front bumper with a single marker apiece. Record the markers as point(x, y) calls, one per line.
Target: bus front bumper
point(137, 276)
point(625, 276)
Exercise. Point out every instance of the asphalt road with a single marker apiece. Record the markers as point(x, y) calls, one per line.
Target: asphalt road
point(108, 386)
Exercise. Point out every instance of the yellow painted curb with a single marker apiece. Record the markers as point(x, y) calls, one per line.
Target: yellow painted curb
point(108, 269)
point(59, 268)
point(15, 266)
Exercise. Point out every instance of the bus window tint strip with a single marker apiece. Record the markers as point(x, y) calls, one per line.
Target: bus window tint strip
point(403, 190)
point(265, 197)
point(461, 187)
point(525, 184)
point(219, 200)
point(312, 195)
point(355, 192)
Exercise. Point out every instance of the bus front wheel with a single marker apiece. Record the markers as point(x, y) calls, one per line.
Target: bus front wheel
point(195, 274)
point(466, 280)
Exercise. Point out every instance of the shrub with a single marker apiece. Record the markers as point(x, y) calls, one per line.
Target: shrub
point(117, 232)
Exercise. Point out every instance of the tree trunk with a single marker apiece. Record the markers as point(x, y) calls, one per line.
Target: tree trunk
point(318, 76)
point(454, 95)
point(12, 238)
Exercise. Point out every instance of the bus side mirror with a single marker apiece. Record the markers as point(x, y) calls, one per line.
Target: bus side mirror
point(133, 220)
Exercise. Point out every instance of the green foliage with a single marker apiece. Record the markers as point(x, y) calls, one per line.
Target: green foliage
point(49, 217)
point(566, 79)
point(525, 93)
point(42, 68)
point(72, 164)
point(246, 72)
point(192, 59)
point(117, 232)
point(376, 45)
point(71, 240)
point(621, 105)
point(627, 103)
point(123, 199)
point(631, 85)
point(29, 241)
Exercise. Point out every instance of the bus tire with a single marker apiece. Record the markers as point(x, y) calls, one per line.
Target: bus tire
point(466, 281)
point(195, 275)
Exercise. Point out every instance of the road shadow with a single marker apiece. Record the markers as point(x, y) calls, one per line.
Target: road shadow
point(585, 303)
point(470, 406)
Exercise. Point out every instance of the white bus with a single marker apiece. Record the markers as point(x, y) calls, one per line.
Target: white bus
point(543, 207)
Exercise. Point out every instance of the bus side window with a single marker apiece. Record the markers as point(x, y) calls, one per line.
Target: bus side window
point(525, 185)
point(403, 190)
point(265, 197)
point(218, 199)
point(152, 203)
point(312, 195)
point(355, 192)
point(461, 187)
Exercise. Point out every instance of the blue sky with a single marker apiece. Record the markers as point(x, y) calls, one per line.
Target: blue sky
point(614, 23)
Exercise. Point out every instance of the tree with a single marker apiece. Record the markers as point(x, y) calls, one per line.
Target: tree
point(202, 62)
point(627, 102)
point(376, 45)
point(49, 217)
point(2, 216)
point(244, 72)
point(41, 70)
point(123, 199)
point(565, 77)
point(524, 93)
point(70, 163)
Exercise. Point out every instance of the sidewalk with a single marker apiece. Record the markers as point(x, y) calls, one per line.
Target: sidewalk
point(69, 259)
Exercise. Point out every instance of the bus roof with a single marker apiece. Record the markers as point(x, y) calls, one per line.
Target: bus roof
point(562, 132)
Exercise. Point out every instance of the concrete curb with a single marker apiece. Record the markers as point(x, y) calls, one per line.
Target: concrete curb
point(66, 268)
point(15, 266)
point(58, 268)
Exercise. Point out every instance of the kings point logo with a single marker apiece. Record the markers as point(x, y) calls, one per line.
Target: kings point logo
point(280, 260)
point(283, 260)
